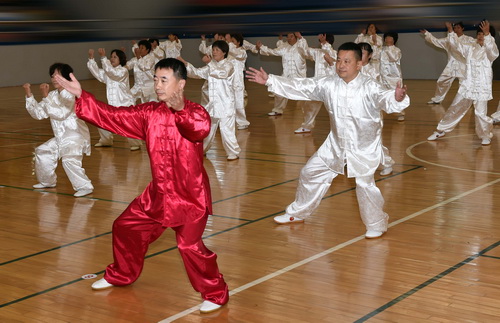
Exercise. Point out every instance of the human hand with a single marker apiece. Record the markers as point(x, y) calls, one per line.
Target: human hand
point(258, 76)
point(485, 27)
point(176, 100)
point(74, 87)
point(102, 52)
point(328, 59)
point(91, 53)
point(206, 59)
point(44, 88)
point(449, 26)
point(27, 89)
point(400, 92)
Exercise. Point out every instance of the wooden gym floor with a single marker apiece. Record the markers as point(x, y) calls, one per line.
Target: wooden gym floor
point(439, 261)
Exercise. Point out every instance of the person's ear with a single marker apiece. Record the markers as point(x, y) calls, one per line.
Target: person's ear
point(182, 84)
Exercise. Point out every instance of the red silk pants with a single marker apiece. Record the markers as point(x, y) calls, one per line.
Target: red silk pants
point(133, 231)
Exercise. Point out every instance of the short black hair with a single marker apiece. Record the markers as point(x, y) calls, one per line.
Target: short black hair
point(152, 40)
point(63, 69)
point(350, 46)
point(121, 56)
point(238, 37)
point(366, 46)
point(371, 23)
point(461, 24)
point(222, 45)
point(178, 67)
point(145, 43)
point(392, 34)
point(329, 38)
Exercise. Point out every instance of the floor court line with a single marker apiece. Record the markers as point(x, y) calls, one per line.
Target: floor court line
point(329, 251)
point(409, 153)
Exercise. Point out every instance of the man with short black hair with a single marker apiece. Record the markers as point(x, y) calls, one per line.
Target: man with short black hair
point(354, 102)
point(179, 193)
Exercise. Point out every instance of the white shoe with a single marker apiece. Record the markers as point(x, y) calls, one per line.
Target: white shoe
point(372, 234)
point(271, 95)
point(386, 171)
point(232, 157)
point(302, 130)
point(401, 118)
point(273, 113)
point(285, 219)
point(436, 135)
point(83, 192)
point(496, 121)
point(486, 142)
point(433, 102)
point(43, 186)
point(208, 307)
point(242, 127)
point(101, 145)
point(101, 284)
point(134, 148)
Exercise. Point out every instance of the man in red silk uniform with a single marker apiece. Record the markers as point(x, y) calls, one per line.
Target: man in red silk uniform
point(179, 194)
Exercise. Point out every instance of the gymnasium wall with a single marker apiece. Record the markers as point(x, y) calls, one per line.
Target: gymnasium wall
point(30, 63)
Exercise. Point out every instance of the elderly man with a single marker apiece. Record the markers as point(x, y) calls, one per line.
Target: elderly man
point(354, 102)
point(179, 194)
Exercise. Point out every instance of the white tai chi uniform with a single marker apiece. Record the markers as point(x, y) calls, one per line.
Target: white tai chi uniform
point(496, 115)
point(143, 67)
point(294, 65)
point(372, 72)
point(321, 68)
point(117, 92)
point(354, 140)
point(455, 66)
point(71, 140)
point(221, 105)
point(249, 46)
point(476, 86)
point(205, 50)
point(172, 49)
point(376, 47)
point(238, 56)
point(390, 68)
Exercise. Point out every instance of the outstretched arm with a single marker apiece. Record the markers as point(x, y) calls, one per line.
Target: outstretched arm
point(74, 87)
point(258, 76)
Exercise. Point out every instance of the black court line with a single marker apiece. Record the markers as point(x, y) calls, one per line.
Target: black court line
point(113, 201)
point(204, 238)
point(214, 215)
point(487, 256)
point(426, 283)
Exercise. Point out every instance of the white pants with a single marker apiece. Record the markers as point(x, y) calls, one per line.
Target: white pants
point(496, 115)
point(458, 109)
point(316, 178)
point(204, 94)
point(387, 160)
point(106, 139)
point(239, 100)
point(227, 133)
point(443, 85)
point(310, 110)
point(46, 157)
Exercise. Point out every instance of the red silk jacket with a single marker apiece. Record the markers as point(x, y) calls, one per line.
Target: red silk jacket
point(180, 191)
